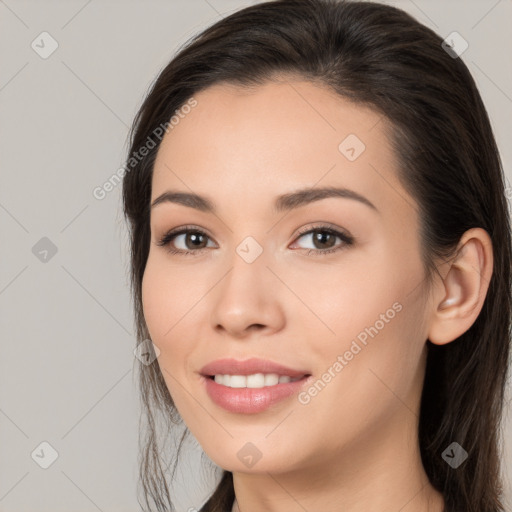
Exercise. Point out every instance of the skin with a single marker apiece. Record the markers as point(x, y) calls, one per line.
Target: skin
point(354, 446)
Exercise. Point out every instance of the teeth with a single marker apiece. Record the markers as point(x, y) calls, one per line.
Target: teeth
point(256, 380)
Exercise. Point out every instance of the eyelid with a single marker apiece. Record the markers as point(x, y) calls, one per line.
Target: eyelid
point(325, 226)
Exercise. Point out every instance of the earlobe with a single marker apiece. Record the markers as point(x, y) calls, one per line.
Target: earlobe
point(461, 293)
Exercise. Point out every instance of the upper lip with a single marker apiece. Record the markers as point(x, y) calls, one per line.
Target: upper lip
point(249, 367)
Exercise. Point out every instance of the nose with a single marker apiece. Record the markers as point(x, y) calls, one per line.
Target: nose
point(247, 299)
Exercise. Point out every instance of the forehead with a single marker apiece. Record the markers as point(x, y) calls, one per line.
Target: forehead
point(251, 143)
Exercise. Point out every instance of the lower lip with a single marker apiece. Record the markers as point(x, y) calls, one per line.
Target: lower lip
point(251, 400)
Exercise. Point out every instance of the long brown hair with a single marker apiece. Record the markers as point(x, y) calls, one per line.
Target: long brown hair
point(381, 57)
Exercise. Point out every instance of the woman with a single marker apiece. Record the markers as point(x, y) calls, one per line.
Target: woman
point(321, 257)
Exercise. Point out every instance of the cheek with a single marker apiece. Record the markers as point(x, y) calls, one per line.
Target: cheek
point(154, 301)
point(376, 318)
point(170, 297)
point(346, 301)
point(370, 372)
point(168, 293)
point(161, 308)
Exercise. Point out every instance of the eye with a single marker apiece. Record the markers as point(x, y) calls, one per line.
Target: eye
point(194, 240)
point(189, 237)
point(323, 239)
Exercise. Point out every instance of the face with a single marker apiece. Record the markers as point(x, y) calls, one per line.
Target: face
point(330, 285)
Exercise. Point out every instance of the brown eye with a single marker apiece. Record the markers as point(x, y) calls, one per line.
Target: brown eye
point(184, 241)
point(323, 240)
point(195, 240)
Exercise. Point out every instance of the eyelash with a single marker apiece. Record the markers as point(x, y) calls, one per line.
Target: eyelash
point(347, 239)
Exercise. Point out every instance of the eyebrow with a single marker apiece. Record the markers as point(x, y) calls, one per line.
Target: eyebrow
point(282, 203)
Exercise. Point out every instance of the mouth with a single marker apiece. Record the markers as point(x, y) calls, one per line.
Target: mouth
point(253, 393)
point(255, 380)
point(257, 372)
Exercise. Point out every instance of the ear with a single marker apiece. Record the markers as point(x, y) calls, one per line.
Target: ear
point(459, 297)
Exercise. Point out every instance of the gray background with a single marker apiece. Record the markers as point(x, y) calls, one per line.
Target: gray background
point(66, 370)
